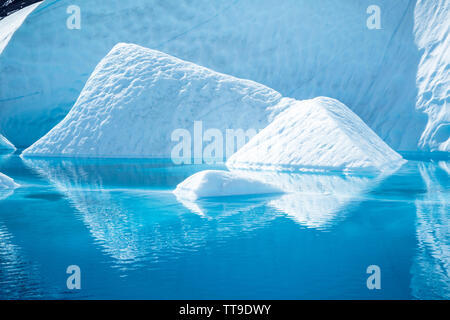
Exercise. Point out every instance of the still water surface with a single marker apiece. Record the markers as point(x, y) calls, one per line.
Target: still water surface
point(119, 222)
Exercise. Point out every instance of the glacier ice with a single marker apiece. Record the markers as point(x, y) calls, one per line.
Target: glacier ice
point(219, 183)
point(11, 23)
point(5, 144)
point(136, 98)
point(395, 78)
point(433, 74)
point(318, 134)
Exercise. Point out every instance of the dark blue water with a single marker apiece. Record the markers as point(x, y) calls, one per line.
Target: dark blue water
point(119, 222)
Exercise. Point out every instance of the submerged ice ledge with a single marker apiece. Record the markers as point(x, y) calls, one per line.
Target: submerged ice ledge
point(217, 183)
point(310, 199)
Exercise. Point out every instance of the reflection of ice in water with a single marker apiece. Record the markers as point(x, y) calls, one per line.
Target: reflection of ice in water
point(5, 193)
point(314, 200)
point(134, 224)
point(17, 276)
point(431, 267)
point(221, 207)
point(4, 156)
point(108, 220)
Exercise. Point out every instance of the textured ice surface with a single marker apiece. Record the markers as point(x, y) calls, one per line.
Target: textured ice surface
point(218, 183)
point(5, 144)
point(11, 23)
point(137, 97)
point(395, 78)
point(433, 75)
point(317, 134)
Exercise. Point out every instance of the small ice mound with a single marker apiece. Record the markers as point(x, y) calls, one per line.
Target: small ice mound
point(217, 183)
point(140, 102)
point(317, 135)
point(5, 144)
point(7, 183)
point(7, 186)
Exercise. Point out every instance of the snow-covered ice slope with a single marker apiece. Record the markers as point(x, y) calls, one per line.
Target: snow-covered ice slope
point(219, 183)
point(11, 23)
point(317, 134)
point(395, 78)
point(5, 144)
point(136, 98)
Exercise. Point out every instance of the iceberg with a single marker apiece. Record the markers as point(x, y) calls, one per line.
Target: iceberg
point(136, 98)
point(321, 134)
point(394, 78)
point(5, 144)
point(219, 183)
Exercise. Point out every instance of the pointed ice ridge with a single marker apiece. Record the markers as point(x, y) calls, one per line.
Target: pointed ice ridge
point(5, 144)
point(316, 135)
point(7, 186)
point(6, 182)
